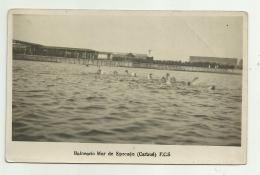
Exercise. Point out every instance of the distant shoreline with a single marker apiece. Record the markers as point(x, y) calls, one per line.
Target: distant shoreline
point(129, 64)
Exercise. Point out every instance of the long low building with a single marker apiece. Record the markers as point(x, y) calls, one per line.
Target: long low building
point(28, 48)
point(135, 57)
point(216, 60)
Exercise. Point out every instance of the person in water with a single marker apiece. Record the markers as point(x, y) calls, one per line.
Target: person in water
point(168, 79)
point(99, 71)
point(133, 74)
point(167, 75)
point(173, 79)
point(150, 77)
point(115, 73)
point(163, 79)
point(213, 87)
point(189, 83)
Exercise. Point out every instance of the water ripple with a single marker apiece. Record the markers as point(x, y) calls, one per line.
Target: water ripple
point(70, 103)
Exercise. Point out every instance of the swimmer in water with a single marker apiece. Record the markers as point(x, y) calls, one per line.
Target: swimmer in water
point(170, 79)
point(115, 73)
point(167, 75)
point(150, 76)
point(173, 79)
point(213, 87)
point(192, 81)
point(99, 71)
point(163, 80)
point(133, 74)
point(126, 71)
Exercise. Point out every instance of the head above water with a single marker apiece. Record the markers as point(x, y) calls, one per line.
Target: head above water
point(150, 76)
point(133, 74)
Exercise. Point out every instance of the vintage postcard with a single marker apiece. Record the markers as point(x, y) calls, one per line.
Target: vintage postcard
point(110, 86)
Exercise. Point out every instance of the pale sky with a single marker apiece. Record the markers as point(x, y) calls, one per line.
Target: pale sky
point(170, 37)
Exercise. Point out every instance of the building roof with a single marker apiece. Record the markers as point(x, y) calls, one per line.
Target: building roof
point(212, 58)
point(25, 42)
point(120, 54)
point(51, 47)
point(219, 60)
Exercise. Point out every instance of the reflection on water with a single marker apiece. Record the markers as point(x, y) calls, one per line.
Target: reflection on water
point(70, 103)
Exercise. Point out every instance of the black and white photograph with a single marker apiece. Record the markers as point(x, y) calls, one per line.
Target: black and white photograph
point(128, 77)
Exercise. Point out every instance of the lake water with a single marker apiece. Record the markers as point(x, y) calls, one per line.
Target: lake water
point(60, 102)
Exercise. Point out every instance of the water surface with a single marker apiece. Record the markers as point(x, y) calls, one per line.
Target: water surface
point(69, 103)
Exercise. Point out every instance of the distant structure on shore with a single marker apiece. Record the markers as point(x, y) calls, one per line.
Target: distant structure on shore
point(22, 47)
point(216, 61)
point(28, 48)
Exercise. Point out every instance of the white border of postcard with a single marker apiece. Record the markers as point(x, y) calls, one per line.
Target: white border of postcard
point(60, 152)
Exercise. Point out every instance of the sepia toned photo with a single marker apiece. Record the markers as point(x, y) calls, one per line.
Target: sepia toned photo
point(123, 78)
